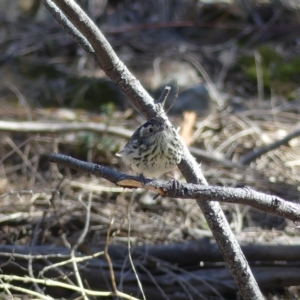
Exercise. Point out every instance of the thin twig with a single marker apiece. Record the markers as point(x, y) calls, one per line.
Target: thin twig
point(209, 285)
point(25, 291)
point(50, 282)
point(87, 221)
point(259, 76)
point(24, 143)
point(216, 97)
point(215, 218)
point(30, 260)
point(25, 159)
point(5, 288)
point(233, 138)
point(190, 288)
point(22, 100)
point(38, 127)
point(154, 281)
point(248, 158)
point(268, 203)
point(129, 246)
point(80, 241)
point(108, 260)
point(61, 263)
point(164, 95)
point(69, 27)
point(46, 127)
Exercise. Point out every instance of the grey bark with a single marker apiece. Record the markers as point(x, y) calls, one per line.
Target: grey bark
point(212, 211)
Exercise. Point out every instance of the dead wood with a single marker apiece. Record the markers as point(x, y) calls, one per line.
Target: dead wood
point(168, 265)
point(118, 72)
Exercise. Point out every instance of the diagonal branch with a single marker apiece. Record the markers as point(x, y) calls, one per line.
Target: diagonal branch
point(190, 169)
point(107, 58)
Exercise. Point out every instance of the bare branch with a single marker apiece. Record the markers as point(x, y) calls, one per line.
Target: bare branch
point(43, 127)
point(55, 283)
point(107, 58)
point(164, 95)
point(39, 127)
point(267, 203)
point(248, 158)
point(69, 28)
point(190, 169)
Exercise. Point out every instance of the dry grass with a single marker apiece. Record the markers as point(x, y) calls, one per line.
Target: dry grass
point(42, 204)
point(32, 190)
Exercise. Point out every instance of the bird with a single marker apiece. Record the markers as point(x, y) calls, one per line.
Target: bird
point(153, 149)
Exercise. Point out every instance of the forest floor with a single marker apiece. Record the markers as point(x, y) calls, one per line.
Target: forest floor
point(44, 204)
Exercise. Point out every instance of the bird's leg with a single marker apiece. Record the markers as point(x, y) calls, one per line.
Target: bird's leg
point(142, 179)
point(175, 184)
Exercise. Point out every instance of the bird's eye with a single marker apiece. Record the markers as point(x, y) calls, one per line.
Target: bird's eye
point(150, 130)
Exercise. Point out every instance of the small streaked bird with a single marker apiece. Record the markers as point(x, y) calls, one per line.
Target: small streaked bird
point(153, 149)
